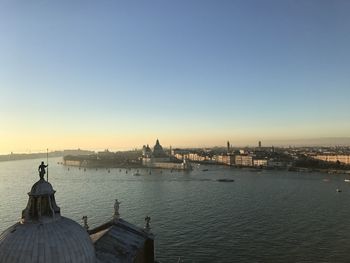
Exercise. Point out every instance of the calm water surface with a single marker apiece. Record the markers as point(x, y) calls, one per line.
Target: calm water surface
point(268, 216)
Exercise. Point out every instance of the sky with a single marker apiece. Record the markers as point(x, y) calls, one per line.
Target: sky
point(120, 74)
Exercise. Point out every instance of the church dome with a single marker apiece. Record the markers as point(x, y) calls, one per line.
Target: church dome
point(41, 188)
point(59, 241)
point(43, 235)
point(158, 150)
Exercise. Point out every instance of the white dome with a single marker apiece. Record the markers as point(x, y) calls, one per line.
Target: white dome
point(59, 241)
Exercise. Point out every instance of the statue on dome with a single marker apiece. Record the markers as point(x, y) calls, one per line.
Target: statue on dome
point(116, 215)
point(85, 222)
point(147, 226)
point(41, 170)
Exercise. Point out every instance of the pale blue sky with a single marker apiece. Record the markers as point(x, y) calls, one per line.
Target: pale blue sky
point(189, 72)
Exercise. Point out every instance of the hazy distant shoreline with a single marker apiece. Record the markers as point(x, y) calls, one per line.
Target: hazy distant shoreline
point(28, 156)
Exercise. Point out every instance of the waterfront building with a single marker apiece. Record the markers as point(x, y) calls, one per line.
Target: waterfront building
point(146, 151)
point(179, 153)
point(276, 164)
point(260, 162)
point(197, 157)
point(158, 155)
point(243, 160)
point(106, 154)
point(77, 152)
point(225, 159)
point(159, 159)
point(341, 158)
point(44, 236)
point(72, 162)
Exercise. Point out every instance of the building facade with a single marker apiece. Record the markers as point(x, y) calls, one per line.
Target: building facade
point(342, 158)
point(243, 160)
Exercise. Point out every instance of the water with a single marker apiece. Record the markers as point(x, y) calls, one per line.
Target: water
point(268, 216)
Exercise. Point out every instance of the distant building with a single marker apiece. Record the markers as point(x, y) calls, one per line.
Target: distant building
point(106, 154)
point(77, 152)
point(156, 156)
point(260, 162)
point(158, 152)
point(159, 159)
point(276, 164)
point(198, 157)
point(243, 160)
point(259, 144)
point(180, 154)
point(146, 152)
point(341, 158)
point(225, 159)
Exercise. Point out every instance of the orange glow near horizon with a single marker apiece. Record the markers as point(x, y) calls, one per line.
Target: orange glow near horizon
point(40, 142)
point(19, 143)
point(23, 136)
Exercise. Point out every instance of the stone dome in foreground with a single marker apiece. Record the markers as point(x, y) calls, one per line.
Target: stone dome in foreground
point(43, 235)
point(61, 241)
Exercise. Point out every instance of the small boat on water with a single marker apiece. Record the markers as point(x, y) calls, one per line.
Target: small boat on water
point(205, 170)
point(338, 190)
point(225, 180)
point(347, 180)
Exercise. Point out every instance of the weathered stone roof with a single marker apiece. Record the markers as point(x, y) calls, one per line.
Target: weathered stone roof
point(41, 187)
point(43, 235)
point(120, 241)
point(59, 241)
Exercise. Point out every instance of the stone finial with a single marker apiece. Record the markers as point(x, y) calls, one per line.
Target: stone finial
point(85, 219)
point(116, 215)
point(147, 226)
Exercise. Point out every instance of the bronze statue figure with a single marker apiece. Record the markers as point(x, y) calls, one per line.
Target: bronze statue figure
point(41, 170)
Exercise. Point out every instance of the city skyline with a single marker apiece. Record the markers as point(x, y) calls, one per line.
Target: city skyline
point(192, 73)
point(297, 143)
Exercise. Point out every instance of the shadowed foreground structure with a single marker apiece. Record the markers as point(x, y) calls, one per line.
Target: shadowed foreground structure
point(43, 235)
